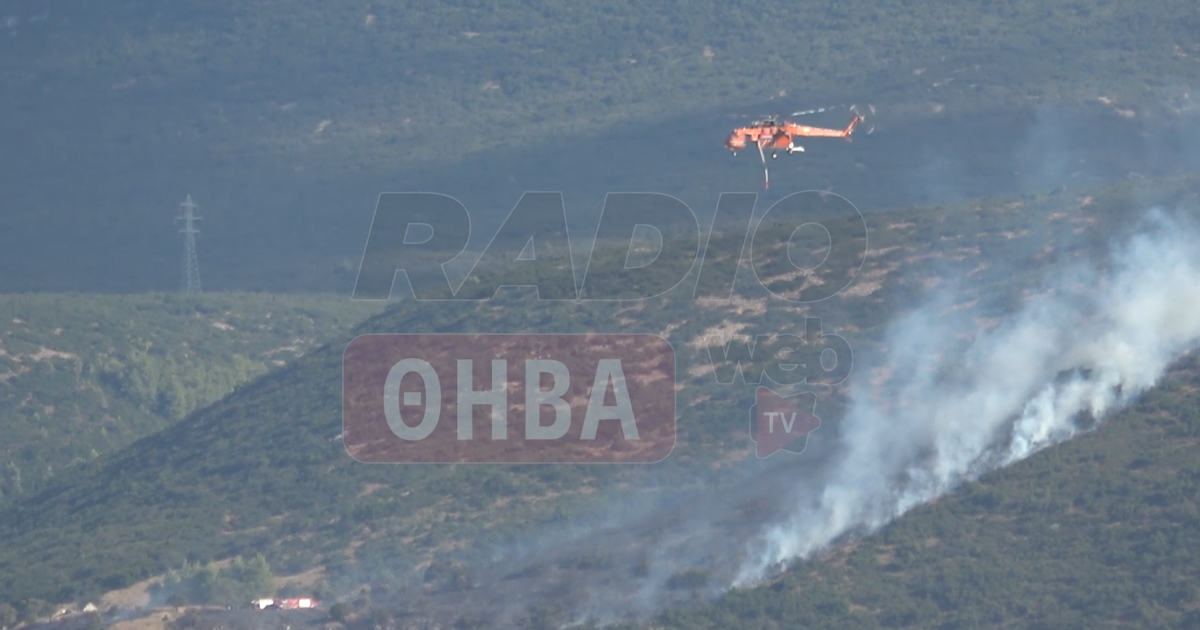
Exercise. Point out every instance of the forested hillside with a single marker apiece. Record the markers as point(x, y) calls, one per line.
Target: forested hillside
point(386, 83)
point(285, 120)
point(263, 471)
point(1098, 533)
point(82, 375)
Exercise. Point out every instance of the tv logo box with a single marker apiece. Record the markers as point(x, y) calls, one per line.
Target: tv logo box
point(509, 398)
point(782, 423)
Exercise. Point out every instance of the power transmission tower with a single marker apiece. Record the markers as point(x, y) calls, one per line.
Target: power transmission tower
point(191, 266)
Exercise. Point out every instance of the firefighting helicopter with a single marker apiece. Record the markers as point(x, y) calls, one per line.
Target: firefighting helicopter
point(770, 133)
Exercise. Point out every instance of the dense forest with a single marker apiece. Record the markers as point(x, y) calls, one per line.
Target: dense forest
point(358, 82)
point(285, 120)
point(83, 375)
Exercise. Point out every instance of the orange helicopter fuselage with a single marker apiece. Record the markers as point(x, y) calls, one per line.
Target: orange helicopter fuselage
point(771, 136)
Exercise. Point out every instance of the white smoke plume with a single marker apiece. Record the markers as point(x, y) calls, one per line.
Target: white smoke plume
point(1087, 345)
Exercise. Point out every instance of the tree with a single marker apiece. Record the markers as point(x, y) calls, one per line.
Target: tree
point(33, 609)
point(691, 580)
point(8, 616)
point(210, 584)
point(339, 612)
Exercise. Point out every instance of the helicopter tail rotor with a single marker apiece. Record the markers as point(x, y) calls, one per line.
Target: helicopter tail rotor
point(866, 120)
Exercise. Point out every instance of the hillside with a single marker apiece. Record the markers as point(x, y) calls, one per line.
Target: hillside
point(1097, 533)
point(354, 84)
point(284, 120)
point(263, 471)
point(83, 375)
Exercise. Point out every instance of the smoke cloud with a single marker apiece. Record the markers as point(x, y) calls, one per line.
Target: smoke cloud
point(1088, 344)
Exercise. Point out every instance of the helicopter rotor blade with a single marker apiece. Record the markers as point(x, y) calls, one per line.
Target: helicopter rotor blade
point(818, 110)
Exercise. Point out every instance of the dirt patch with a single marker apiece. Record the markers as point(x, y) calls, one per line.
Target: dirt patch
point(308, 579)
point(135, 596)
point(721, 334)
point(862, 289)
point(156, 620)
point(371, 488)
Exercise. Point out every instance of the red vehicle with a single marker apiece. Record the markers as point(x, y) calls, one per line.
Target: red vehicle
point(285, 604)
